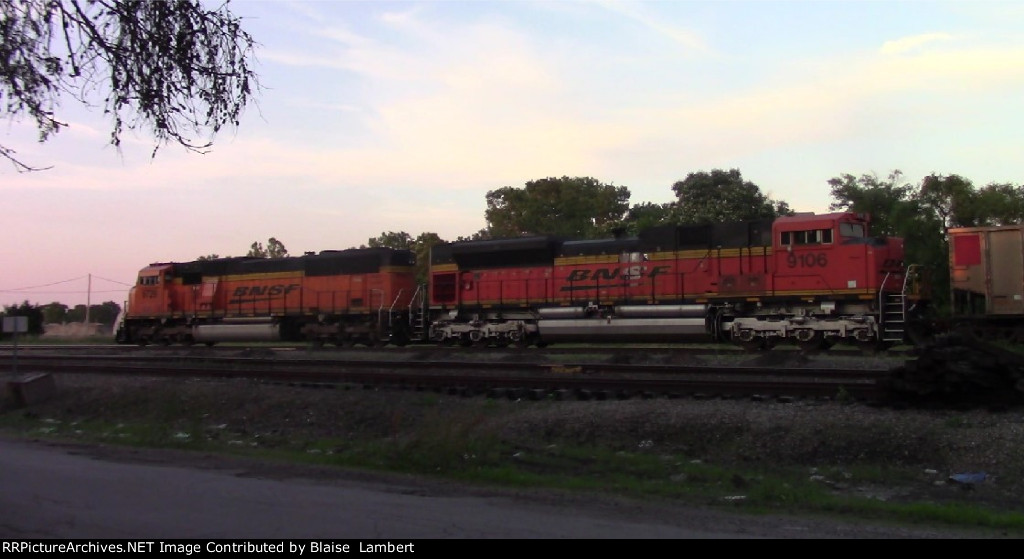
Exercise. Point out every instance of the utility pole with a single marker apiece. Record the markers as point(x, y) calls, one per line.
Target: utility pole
point(88, 299)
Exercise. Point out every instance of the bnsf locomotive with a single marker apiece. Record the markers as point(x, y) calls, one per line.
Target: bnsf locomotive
point(343, 297)
point(813, 280)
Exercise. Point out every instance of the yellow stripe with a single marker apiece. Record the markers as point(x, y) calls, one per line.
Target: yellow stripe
point(755, 252)
point(591, 259)
point(444, 268)
point(263, 276)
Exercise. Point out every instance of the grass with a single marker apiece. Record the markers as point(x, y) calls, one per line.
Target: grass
point(462, 450)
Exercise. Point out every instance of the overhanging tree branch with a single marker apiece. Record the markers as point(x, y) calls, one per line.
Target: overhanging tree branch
point(172, 67)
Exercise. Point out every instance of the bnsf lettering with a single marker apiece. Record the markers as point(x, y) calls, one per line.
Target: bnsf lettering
point(629, 272)
point(263, 290)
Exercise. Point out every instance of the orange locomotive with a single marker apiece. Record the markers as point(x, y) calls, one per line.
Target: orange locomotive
point(809, 279)
point(341, 297)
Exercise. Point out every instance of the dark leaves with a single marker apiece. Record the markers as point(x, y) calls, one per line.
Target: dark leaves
point(173, 67)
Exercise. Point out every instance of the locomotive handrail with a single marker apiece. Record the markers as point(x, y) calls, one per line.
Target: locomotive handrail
point(395, 302)
point(910, 278)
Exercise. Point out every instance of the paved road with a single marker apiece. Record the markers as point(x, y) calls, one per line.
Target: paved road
point(53, 491)
point(48, 491)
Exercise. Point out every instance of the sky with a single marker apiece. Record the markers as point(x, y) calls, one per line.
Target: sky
point(383, 116)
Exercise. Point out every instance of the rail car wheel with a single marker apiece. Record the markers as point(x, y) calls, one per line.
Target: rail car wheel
point(750, 342)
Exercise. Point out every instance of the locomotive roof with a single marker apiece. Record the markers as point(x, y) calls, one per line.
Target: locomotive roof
point(349, 261)
point(734, 234)
point(592, 247)
point(522, 251)
point(813, 217)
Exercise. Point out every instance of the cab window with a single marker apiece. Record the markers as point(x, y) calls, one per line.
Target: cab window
point(808, 237)
point(149, 280)
point(855, 230)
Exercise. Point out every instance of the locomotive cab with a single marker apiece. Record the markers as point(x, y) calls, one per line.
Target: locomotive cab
point(831, 282)
point(149, 296)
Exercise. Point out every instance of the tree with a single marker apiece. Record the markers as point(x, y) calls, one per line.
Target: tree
point(392, 239)
point(721, 196)
point(34, 314)
point(1002, 204)
point(173, 66)
point(275, 249)
point(898, 209)
point(644, 215)
point(579, 207)
point(55, 313)
point(105, 314)
point(420, 246)
point(951, 200)
point(891, 203)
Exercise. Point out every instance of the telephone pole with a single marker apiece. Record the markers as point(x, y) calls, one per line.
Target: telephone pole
point(88, 299)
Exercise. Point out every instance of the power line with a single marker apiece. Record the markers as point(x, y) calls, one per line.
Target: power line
point(32, 290)
point(45, 285)
point(16, 289)
point(113, 281)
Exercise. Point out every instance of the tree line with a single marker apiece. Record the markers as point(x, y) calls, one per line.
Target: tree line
point(104, 314)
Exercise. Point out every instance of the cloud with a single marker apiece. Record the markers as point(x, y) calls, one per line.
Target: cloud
point(906, 44)
point(635, 11)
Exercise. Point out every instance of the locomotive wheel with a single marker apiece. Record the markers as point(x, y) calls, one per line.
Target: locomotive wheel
point(814, 345)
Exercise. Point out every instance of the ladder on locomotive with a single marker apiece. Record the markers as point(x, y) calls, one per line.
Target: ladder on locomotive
point(893, 307)
point(418, 314)
point(416, 328)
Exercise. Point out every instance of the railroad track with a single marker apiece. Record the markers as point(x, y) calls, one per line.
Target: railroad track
point(535, 376)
